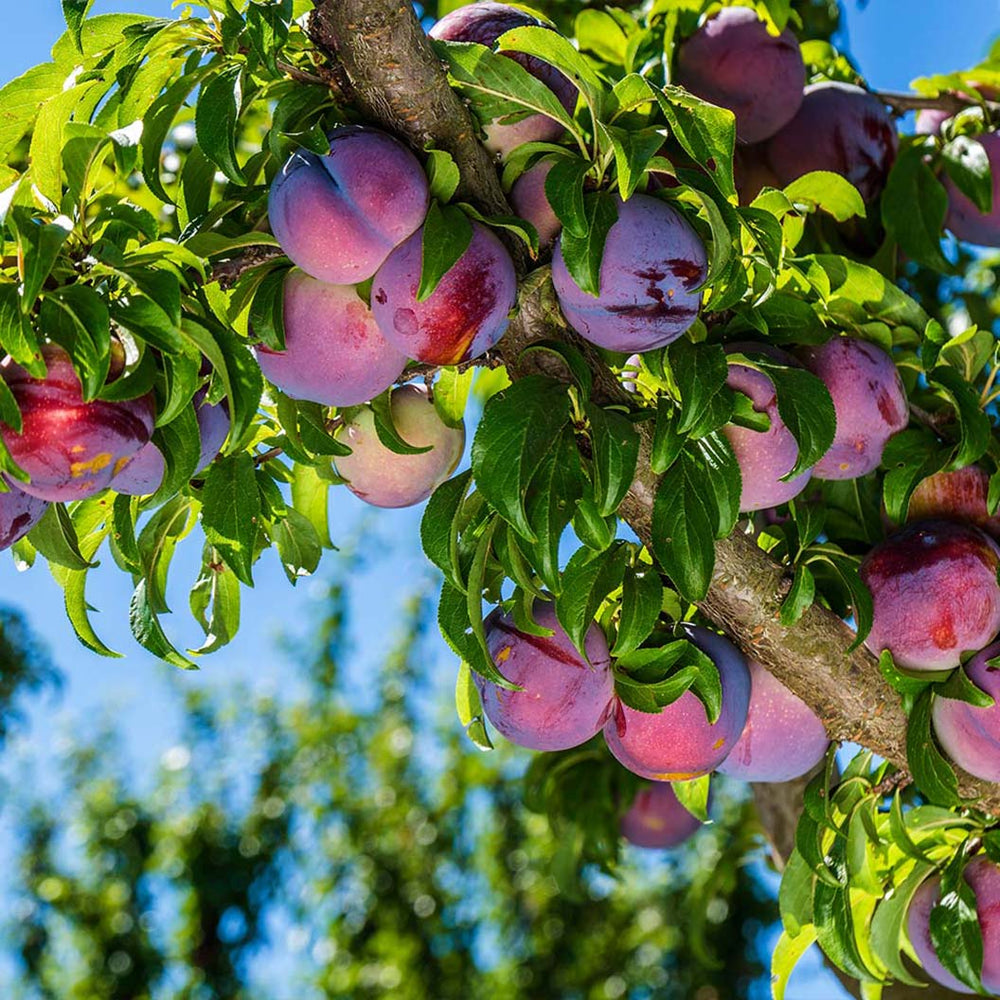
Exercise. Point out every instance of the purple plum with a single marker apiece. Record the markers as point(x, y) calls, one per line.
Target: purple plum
point(19, 513)
point(529, 201)
point(964, 219)
point(656, 819)
point(959, 495)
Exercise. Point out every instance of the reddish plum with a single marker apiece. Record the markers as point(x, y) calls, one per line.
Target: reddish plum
point(959, 495)
point(529, 201)
point(656, 818)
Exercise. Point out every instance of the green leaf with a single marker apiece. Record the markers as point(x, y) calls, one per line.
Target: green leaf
point(267, 310)
point(974, 423)
point(800, 596)
point(667, 440)
point(889, 920)
point(589, 577)
point(591, 527)
point(40, 244)
point(642, 601)
point(786, 955)
point(442, 175)
point(835, 928)
point(20, 100)
point(469, 706)
point(910, 457)
point(215, 603)
point(914, 205)
point(829, 192)
point(386, 430)
point(633, 152)
point(440, 525)
point(931, 771)
point(693, 795)
point(231, 508)
point(217, 117)
point(149, 633)
point(122, 535)
point(77, 318)
point(968, 166)
point(956, 934)
point(447, 233)
point(56, 538)
point(583, 254)
point(17, 337)
point(564, 193)
point(700, 372)
point(615, 454)
point(456, 627)
point(795, 895)
point(310, 497)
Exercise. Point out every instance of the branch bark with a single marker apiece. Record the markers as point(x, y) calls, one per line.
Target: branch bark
point(950, 102)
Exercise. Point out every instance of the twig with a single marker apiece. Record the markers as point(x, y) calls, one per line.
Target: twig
point(949, 101)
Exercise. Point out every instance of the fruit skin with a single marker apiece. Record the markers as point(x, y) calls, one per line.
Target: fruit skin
point(935, 594)
point(960, 495)
point(213, 426)
point(964, 219)
point(656, 819)
point(69, 448)
point(733, 61)
point(869, 401)
point(971, 735)
point(464, 316)
point(763, 456)
point(529, 201)
point(338, 216)
point(752, 172)
point(679, 743)
point(484, 23)
point(841, 128)
point(565, 701)
point(783, 737)
point(19, 513)
point(984, 877)
point(382, 478)
point(653, 263)
point(334, 353)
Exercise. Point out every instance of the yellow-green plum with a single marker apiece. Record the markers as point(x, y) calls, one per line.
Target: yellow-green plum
point(19, 513)
point(69, 448)
point(783, 737)
point(529, 201)
point(334, 352)
point(733, 61)
point(840, 128)
point(656, 819)
point(463, 317)
point(339, 215)
point(960, 494)
point(969, 734)
point(678, 742)
point(564, 700)
point(964, 218)
point(935, 594)
point(484, 23)
point(382, 478)
point(653, 265)
point(983, 876)
point(869, 401)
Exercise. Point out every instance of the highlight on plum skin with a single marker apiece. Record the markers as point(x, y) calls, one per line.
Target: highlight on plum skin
point(564, 699)
point(679, 743)
point(653, 265)
point(958, 494)
point(19, 513)
point(783, 737)
point(656, 819)
point(338, 216)
point(382, 478)
point(334, 352)
point(935, 594)
point(465, 315)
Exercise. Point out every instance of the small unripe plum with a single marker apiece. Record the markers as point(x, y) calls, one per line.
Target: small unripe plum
point(733, 61)
point(840, 128)
point(71, 449)
point(964, 219)
point(656, 818)
point(564, 700)
point(19, 513)
point(984, 878)
point(783, 737)
point(382, 478)
point(958, 495)
point(529, 201)
point(338, 216)
point(969, 734)
point(678, 742)
point(763, 456)
point(463, 317)
point(868, 399)
point(935, 594)
point(653, 263)
point(484, 23)
point(334, 352)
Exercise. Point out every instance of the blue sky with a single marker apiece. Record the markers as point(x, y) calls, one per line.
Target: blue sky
point(892, 40)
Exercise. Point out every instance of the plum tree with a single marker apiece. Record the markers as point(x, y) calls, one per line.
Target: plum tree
point(382, 477)
point(528, 199)
point(935, 594)
point(959, 494)
point(563, 700)
point(334, 352)
point(783, 737)
point(653, 265)
point(338, 215)
point(678, 742)
point(733, 61)
point(463, 317)
point(656, 818)
point(869, 400)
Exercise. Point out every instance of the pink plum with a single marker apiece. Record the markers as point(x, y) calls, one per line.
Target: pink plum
point(19, 513)
point(656, 818)
point(964, 219)
point(529, 201)
point(959, 495)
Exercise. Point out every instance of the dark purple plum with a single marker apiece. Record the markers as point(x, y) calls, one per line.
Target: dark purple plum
point(213, 426)
point(656, 819)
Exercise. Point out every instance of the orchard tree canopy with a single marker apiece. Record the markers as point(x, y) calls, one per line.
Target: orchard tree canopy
point(733, 493)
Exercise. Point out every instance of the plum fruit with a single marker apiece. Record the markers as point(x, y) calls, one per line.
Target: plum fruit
point(656, 818)
point(679, 742)
point(935, 594)
point(383, 478)
point(19, 513)
point(213, 427)
point(529, 201)
point(484, 23)
point(959, 495)
point(733, 61)
point(783, 737)
point(564, 700)
point(752, 173)
point(463, 317)
point(71, 449)
point(869, 401)
point(840, 128)
point(334, 352)
point(653, 265)
point(964, 219)
point(339, 215)
point(763, 456)
point(984, 878)
point(969, 734)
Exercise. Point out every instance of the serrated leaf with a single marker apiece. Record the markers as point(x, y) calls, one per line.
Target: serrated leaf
point(786, 955)
point(469, 707)
point(642, 602)
point(447, 233)
point(615, 454)
point(231, 508)
point(829, 192)
point(149, 633)
point(969, 167)
point(693, 795)
point(931, 771)
point(564, 193)
point(583, 255)
point(914, 205)
point(217, 117)
point(439, 527)
point(451, 394)
point(889, 920)
point(215, 603)
point(589, 577)
point(442, 175)
point(975, 424)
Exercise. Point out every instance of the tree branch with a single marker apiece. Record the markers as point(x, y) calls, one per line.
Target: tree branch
point(950, 102)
